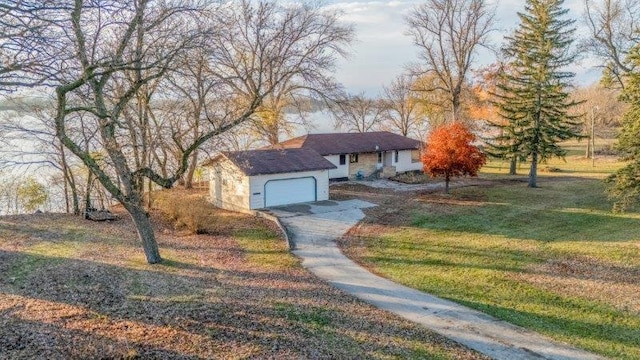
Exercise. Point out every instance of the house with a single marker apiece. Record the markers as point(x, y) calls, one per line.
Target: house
point(254, 179)
point(362, 154)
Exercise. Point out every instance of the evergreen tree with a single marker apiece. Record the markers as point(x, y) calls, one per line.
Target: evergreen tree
point(624, 185)
point(533, 95)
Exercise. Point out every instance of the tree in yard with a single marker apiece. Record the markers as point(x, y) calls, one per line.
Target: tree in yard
point(357, 113)
point(624, 185)
point(601, 110)
point(401, 109)
point(614, 29)
point(450, 153)
point(319, 32)
point(533, 96)
point(110, 59)
point(448, 34)
point(32, 194)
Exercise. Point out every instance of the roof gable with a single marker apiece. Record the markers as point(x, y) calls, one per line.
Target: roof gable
point(349, 143)
point(275, 161)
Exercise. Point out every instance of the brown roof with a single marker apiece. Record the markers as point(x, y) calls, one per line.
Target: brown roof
point(275, 161)
point(350, 143)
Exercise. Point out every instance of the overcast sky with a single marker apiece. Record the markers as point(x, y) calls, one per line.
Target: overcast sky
point(383, 49)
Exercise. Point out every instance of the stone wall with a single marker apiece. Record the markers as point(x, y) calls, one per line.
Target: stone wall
point(367, 162)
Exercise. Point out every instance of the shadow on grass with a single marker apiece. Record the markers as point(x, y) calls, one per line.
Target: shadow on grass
point(617, 338)
point(169, 314)
point(542, 223)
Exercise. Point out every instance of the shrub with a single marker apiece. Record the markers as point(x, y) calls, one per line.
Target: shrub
point(185, 210)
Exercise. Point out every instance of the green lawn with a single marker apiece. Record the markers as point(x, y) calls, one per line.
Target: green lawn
point(553, 259)
point(75, 289)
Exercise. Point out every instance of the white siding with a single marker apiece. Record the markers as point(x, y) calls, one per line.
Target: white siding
point(228, 186)
point(257, 185)
point(404, 163)
point(342, 171)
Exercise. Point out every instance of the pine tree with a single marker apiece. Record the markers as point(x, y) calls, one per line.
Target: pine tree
point(624, 185)
point(533, 96)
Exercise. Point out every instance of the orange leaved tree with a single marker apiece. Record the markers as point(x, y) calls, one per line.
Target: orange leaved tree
point(450, 153)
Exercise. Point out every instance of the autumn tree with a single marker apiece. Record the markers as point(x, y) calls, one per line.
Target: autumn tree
point(624, 184)
point(448, 34)
point(450, 153)
point(534, 96)
point(32, 194)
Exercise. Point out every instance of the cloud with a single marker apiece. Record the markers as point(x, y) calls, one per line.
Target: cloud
point(383, 50)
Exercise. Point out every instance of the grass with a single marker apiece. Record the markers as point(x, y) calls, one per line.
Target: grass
point(553, 259)
point(77, 289)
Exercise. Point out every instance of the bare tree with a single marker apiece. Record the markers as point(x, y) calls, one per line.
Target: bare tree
point(401, 108)
point(29, 139)
point(109, 58)
point(448, 34)
point(615, 29)
point(317, 31)
point(357, 113)
point(601, 111)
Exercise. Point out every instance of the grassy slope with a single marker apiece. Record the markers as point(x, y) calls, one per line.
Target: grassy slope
point(75, 289)
point(554, 259)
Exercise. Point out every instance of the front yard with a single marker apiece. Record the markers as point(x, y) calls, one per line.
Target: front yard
point(552, 259)
point(73, 289)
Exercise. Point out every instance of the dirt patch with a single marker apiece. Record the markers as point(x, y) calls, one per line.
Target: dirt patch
point(78, 289)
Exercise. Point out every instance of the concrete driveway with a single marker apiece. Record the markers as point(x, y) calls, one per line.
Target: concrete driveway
point(313, 228)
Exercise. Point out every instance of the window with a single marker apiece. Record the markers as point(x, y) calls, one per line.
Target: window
point(415, 156)
point(343, 159)
point(379, 158)
point(396, 156)
point(353, 158)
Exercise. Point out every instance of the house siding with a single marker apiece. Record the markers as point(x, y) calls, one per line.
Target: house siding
point(404, 163)
point(228, 186)
point(342, 171)
point(257, 183)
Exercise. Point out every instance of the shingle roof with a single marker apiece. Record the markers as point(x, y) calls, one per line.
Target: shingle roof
point(275, 161)
point(349, 143)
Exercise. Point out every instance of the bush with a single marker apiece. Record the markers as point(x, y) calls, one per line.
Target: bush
point(185, 210)
point(607, 150)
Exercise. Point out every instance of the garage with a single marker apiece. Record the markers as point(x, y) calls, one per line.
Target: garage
point(288, 191)
point(255, 179)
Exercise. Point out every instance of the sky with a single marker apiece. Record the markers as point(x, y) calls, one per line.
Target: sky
point(382, 50)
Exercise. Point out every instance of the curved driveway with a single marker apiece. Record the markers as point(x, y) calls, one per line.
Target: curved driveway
point(313, 228)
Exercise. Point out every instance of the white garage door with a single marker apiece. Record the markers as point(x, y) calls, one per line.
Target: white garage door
point(289, 191)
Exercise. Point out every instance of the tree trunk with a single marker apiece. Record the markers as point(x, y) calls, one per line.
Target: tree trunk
point(587, 153)
point(145, 232)
point(533, 173)
point(446, 183)
point(87, 195)
point(513, 166)
point(188, 181)
point(74, 192)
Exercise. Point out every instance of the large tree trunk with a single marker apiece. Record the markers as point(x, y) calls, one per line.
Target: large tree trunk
point(533, 173)
point(188, 181)
point(145, 232)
